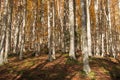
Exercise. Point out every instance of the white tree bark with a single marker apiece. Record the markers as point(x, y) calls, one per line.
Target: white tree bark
point(72, 34)
point(16, 36)
point(109, 15)
point(85, 52)
point(8, 30)
point(103, 50)
point(4, 27)
point(7, 45)
point(109, 25)
point(97, 34)
point(35, 27)
point(23, 30)
point(49, 33)
point(60, 11)
point(88, 27)
point(53, 32)
point(5, 38)
point(118, 47)
point(2, 45)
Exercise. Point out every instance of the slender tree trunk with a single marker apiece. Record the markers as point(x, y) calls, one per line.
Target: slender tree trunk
point(49, 33)
point(35, 27)
point(8, 31)
point(97, 33)
point(88, 27)
point(17, 33)
point(53, 32)
point(103, 45)
point(65, 23)
point(109, 25)
point(59, 2)
point(23, 30)
point(118, 47)
point(4, 28)
point(72, 34)
point(2, 45)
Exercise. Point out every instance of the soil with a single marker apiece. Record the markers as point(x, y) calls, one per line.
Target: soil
point(62, 68)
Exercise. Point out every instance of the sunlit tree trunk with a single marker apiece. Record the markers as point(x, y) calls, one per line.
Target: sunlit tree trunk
point(22, 46)
point(65, 23)
point(118, 47)
point(102, 30)
point(35, 27)
point(97, 33)
point(59, 6)
point(16, 39)
point(88, 26)
point(85, 52)
point(107, 31)
point(53, 31)
point(2, 45)
point(8, 31)
point(109, 25)
point(103, 44)
point(49, 33)
point(72, 34)
point(4, 27)
point(17, 33)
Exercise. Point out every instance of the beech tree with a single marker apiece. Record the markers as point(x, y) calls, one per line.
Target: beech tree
point(51, 43)
point(88, 26)
point(85, 52)
point(96, 6)
point(23, 30)
point(5, 34)
point(72, 34)
point(9, 3)
point(53, 30)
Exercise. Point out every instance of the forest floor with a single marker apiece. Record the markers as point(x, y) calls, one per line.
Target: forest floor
point(63, 68)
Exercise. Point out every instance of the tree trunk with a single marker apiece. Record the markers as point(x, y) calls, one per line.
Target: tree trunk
point(103, 45)
point(72, 34)
point(97, 49)
point(53, 31)
point(85, 52)
point(22, 46)
point(88, 27)
point(49, 33)
point(2, 45)
point(109, 25)
point(8, 31)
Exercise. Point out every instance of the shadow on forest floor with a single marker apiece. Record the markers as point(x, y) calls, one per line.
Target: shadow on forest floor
point(63, 68)
point(112, 66)
point(55, 70)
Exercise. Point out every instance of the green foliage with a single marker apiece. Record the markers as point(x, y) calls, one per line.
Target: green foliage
point(28, 64)
point(66, 55)
point(91, 75)
point(83, 73)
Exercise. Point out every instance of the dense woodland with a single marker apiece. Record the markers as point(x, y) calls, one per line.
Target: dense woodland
point(84, 29)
